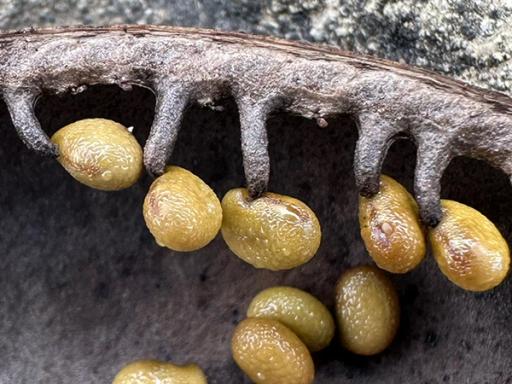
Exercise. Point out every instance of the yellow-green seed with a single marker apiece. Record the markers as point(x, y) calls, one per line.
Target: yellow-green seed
point(300, 311)
point(273, 231)
point(391, 228)
point(99, 153)
point(159, 372)
point(181, 211)
point(367, 310)
point(270, 353)
point(469, 249)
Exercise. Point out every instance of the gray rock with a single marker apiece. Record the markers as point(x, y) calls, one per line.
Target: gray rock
point(467, 39)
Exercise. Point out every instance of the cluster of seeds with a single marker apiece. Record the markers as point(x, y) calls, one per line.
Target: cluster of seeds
point(469, 249)
point(284, 325)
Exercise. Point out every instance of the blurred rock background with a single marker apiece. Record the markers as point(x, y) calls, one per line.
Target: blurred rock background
point(468, 39)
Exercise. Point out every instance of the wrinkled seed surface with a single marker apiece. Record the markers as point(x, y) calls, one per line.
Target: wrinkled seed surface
point(468, 248)
point(275, 231)
point(99, 153)
point(300, 311)
point(159, 372)
point(367, 310)
point(270, 353)
point(391, 227)
point(181, 211)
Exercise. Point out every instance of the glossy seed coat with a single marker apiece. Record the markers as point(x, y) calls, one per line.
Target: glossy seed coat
point(270, 353)
point(367, 310)
point(303, 313)
point(469, 249)
point(391, 227)
point(181, 211)
point(274, 231)
point(159, 372)
point(99, 153)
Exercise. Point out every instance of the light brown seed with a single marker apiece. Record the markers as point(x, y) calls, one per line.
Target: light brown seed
point(99, 153)
point(391, 228)
point(367, 310)
point(273, 231)
point(469, 249)
point(270, 353)
point(159, 372)
point(300, 311)
point(181, 211)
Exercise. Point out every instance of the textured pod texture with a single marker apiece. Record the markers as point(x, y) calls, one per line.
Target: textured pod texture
point(303, 313)
point(181, 211)
point(159, 372)
point(391, 227)
point(445, 117)
point(273, 231)
point(99, 153)
point(469, 249)
point(270, 353)
point(367, 310)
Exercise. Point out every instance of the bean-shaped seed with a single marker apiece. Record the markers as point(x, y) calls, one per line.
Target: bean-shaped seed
point(154, 371)
point(181, 211)
point(367, 310)
point(303, 313)
point(469, 249)
point(273, 231)
point(391, 227)
point(270, 353)
point(99, 153)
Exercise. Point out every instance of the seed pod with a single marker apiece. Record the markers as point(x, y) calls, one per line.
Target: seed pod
point(273, 231)
point(270, 353)
point(99, 153)
point(469, 249)
point(391, 227)
point(181, 211)
point(303, 313)
point(154, 371)
point(367, 310)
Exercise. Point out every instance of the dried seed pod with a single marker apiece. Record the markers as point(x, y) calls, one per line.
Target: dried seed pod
point(303, 313)
point(391, 227)
point(270, 353)
point(154, 371)
point(469, 249)
point(181, 211)
point(99, 153)
point(367, 310)
point(273, 231)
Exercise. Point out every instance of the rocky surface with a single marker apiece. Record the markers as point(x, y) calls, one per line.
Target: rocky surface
point(468, 39)
point(84, 288)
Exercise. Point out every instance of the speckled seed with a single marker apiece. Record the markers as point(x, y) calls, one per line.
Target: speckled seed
point(468, 248)
point(99, 153)
point(303, 313)
point(274, 231)
point(367, 310)
point(391, 227)
point(181, 211)
point(270, 353)
point(159, 372)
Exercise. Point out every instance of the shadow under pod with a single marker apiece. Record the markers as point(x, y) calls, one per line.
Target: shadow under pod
point(85, 289)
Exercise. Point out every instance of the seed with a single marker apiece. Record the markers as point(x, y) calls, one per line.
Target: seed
point(154, 371)
point(99, 153)
point(303, 313)
point(391, 227)
point(273, 231)
point(468, 248)
point(270, 353)
point(367, 310)
point(181, 211)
